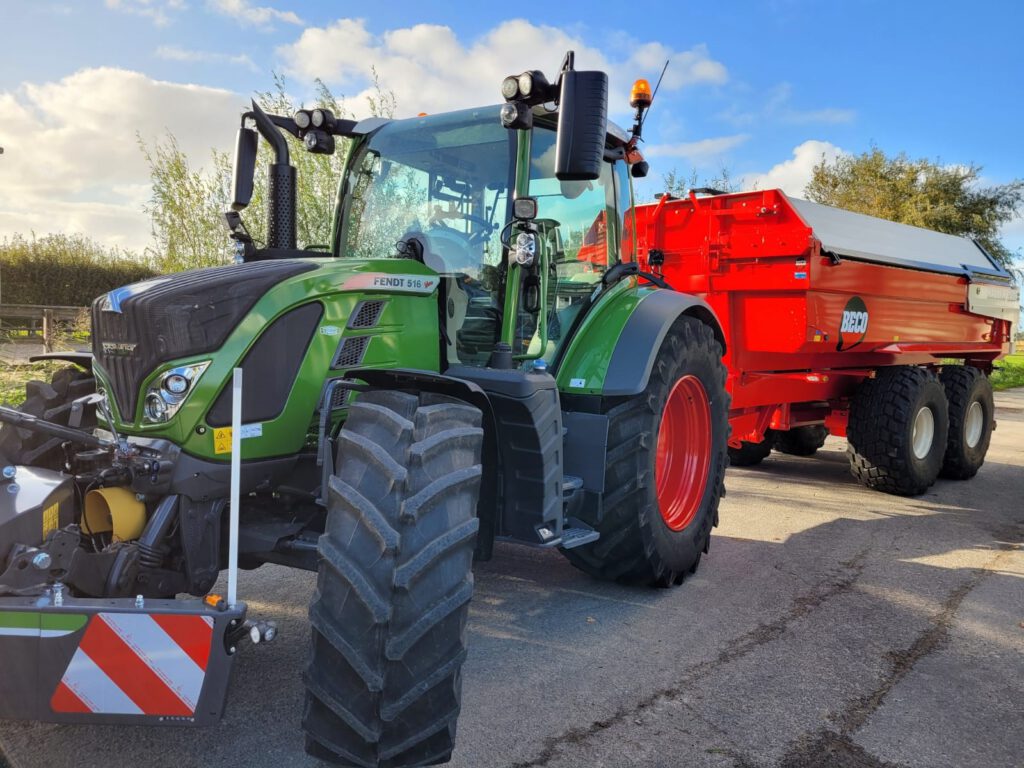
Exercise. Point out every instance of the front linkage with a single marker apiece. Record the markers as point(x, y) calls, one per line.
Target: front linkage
point(83, 640)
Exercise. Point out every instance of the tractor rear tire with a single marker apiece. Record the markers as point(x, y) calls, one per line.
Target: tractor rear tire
point(389, 613)
point(751, 454)
point(971, 420)
point(644, 540)
point(897, 430)
point(51, 401)
point(801, 441)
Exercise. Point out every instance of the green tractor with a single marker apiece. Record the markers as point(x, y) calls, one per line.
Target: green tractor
point(477, 358)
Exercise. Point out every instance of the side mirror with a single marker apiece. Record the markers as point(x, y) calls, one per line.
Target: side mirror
point(582, 125)
point(245, 168)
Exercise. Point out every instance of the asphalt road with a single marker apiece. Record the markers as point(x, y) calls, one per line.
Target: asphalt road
point(830, 626)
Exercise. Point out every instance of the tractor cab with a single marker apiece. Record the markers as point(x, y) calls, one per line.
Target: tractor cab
point(441, 189)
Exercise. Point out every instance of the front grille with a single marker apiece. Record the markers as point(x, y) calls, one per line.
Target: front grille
point(137, 327)
point(350, 352)
point(367, 314)
point(339, 398)
point(340, 395)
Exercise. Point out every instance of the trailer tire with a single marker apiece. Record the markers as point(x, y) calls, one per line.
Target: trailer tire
point(389, 613)
point(971, 420)
point(644, 540)
point(897, 430)
point(749, 454)
point(801, 441)
point(51, 401)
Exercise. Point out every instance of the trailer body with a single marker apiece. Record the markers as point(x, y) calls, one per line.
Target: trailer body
point(813, 300)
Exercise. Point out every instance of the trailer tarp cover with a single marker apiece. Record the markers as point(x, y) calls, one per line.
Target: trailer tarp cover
point(871, 239)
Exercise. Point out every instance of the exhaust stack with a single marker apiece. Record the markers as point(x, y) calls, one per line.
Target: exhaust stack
point(280, 185)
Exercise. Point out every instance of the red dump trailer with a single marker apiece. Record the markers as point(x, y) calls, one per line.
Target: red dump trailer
point(843, 323)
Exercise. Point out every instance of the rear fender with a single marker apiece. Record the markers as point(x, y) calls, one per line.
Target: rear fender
point(614, 350)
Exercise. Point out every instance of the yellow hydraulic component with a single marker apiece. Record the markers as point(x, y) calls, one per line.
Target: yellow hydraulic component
point(116, 510)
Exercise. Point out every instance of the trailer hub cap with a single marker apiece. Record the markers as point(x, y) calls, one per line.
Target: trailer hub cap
point(684, 452)
point(923, 433)
point(974, 424)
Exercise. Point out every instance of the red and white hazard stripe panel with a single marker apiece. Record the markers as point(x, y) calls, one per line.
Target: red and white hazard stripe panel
point(137, 664)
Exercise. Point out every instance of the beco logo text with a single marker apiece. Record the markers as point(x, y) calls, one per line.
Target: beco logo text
point(854, 322)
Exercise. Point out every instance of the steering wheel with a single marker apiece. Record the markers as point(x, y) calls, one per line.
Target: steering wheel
point(438, 217)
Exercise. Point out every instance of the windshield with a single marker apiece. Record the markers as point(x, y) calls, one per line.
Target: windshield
point(443, 181)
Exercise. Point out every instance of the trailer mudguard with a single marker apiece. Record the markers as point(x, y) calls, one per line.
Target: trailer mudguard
point(637, 346)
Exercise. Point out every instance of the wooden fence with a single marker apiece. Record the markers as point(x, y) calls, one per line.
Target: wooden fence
point(36, 320)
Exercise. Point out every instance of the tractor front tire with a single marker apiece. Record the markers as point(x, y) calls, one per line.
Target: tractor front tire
point(897, 430)
point(971, 420)
point(750, 454)
point(53, 401)
point(389, 613)
point(801, 441)
point(665, 466)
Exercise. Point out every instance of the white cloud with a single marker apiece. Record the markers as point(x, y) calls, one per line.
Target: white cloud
point(1014, 227)
point(430, 69)
point(778, 107)
point(253, 15)
point(159, 11)
point(829, 116)
point(1012, 235)
point(697, 151)
point(71, 159)
point(793, 175)
point(174, 53)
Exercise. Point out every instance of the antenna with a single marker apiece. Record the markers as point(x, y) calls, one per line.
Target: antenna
point(654, 95)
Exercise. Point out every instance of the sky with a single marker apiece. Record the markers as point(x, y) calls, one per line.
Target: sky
point(763, 89)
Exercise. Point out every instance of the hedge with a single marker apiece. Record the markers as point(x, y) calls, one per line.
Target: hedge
point(63, 270)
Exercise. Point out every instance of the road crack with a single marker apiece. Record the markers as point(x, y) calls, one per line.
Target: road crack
point(842, 580)
point(828, 749)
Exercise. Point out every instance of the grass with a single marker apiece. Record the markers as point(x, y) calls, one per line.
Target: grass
point(13, 378)
point(1009, 372)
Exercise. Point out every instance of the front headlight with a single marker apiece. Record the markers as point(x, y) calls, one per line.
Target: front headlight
point(169, 392)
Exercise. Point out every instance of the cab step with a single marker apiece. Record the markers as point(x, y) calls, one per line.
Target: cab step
point(576, 533)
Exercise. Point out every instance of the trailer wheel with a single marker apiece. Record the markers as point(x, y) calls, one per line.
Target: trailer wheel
point(801, 441)
point(971, 420)
point(389, 613)
point(749, 454)
point(51, 401)
point(665, 466)
point(897, 430)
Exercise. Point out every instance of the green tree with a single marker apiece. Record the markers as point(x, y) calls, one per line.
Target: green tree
point(188, 202)
point(946, 198)
point(679, 185)
point(185, 208)
point(63, 270)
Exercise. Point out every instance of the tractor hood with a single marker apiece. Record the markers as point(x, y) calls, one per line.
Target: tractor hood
point(141, 325)
point(280, 320)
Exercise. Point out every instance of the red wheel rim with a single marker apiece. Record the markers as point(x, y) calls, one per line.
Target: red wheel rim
point(684, 452)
